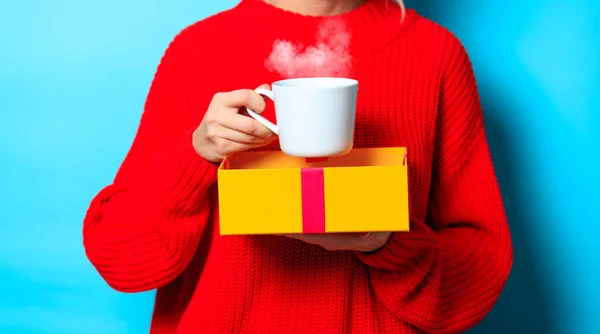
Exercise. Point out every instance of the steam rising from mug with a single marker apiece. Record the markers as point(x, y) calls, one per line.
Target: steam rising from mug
point(328, 57)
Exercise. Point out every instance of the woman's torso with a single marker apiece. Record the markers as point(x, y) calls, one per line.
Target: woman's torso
point(270, 284)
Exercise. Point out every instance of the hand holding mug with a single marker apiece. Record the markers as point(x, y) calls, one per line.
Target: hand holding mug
point(224, 131)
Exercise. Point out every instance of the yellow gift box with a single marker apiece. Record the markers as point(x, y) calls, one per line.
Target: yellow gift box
point(365, 190)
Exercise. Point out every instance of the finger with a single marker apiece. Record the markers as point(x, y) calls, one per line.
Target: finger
point(226, 148)
point(242, 98)
point(264, 86)
point(247, 125)
point(331, 242)
point(238, 136)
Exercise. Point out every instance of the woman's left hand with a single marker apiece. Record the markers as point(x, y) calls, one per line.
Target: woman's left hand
point(361, 242)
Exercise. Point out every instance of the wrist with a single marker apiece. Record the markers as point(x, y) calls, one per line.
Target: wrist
point(198, 142)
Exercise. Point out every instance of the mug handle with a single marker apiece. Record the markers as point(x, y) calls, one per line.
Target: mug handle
point(269, 125)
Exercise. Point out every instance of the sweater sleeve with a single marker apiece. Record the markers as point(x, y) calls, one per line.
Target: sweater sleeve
point(141, 231)
point(446, 273)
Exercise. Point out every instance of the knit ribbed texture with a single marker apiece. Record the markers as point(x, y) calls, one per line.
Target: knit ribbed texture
point(156, 226)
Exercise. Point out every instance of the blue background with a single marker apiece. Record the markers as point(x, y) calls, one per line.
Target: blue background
point(73, 79)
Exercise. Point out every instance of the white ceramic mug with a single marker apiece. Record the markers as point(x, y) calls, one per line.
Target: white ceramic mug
point(315, 116)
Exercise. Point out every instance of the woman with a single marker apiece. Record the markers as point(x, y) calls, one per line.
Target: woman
point(156, 226)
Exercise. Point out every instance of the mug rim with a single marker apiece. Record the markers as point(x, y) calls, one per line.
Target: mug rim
point(340, 82)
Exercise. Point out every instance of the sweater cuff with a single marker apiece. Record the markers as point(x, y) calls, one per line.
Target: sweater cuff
point(179, 177)
point(403, 250)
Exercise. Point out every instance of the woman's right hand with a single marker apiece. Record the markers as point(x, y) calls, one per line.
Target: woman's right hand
point(224, 131)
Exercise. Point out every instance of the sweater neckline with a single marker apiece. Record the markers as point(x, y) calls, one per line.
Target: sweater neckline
point(373, 23)
point(364, 7)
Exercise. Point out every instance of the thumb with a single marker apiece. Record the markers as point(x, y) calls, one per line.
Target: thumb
point(264, 86)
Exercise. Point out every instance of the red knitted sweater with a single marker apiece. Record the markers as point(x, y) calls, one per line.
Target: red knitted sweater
point(156, 226)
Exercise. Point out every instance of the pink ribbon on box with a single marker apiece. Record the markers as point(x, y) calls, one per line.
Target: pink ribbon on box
point(313, 200)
